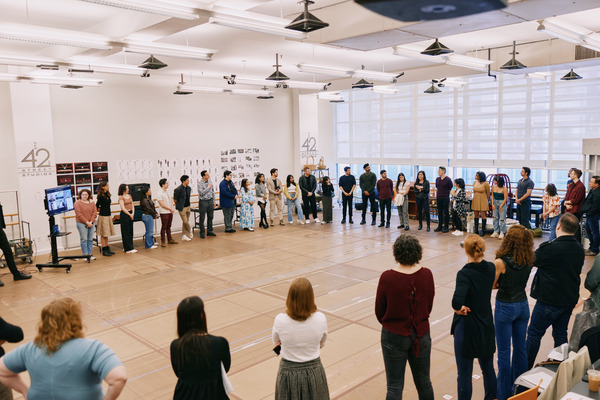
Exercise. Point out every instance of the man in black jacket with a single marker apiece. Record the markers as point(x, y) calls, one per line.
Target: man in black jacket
point(8, 254)
point(555, 285)
point(182, 195)
point(308, 186)
point(591, 208)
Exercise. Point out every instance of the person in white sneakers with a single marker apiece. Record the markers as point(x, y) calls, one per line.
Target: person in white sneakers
point(291, 192)
point(460, 206)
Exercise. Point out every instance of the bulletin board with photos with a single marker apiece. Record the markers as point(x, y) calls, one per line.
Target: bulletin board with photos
point(242, 162)
point(82, 175)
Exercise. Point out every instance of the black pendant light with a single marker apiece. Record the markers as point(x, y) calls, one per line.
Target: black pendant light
point(179, 91)
point(513, 63)
point(432, 89)
point(265, 96)
point(277, 76)
point(152, 63)
point(437, 49)
point(362, 84)
point(571, 76)
point(306, 22)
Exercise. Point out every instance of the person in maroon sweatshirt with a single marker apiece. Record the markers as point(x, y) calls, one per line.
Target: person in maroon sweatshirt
point(575, 197)
point(385, 188)
point(402, 305)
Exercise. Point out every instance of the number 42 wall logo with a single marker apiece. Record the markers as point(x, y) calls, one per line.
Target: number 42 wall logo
point(35, 160)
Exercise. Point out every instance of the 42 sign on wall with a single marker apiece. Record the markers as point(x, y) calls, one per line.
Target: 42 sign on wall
point(35, 161)
point(309, 146)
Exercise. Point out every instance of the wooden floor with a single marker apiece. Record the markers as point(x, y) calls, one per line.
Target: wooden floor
point(129, 303)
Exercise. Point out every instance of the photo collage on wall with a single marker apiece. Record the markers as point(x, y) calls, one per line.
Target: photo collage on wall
point(82, 175)
point(193, 167)
point(135, 171)
point(242, 162)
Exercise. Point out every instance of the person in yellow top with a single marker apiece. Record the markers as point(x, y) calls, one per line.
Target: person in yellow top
point(480, 204)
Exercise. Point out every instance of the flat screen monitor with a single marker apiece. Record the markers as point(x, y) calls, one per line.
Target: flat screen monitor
point(59, 200)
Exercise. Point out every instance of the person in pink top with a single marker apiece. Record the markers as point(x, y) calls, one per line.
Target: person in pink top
point(85, 215)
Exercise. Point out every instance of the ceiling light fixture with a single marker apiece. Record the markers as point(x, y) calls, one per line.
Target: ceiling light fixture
point(61, 37)
point(266, 95)
point(152, 63)
point(66, 81)
point(257, 26)
point(570, 33)
point(333, 96)
point(362, 84)
point(513, 63)
point(24, 61)
point(306, 22)
point(111, 68)
point(249, 92)
point(384, 89)
point(8, 78)
point(542, 76)
point(48, 67)
point(317, 69)
point(571, 76)
point(182, 92)
point(168, 9)
point(277, 76)
point(200, 89)
point(457, 60)
point(376, 75)
point(168, 50)
point(432, 89)
point(436, 49)
point(233, 79)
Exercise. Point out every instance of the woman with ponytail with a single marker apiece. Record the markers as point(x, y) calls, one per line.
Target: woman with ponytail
point(473, 324)
point(196, 356)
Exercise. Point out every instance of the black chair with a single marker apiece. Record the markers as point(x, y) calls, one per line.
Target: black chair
point(591, 339)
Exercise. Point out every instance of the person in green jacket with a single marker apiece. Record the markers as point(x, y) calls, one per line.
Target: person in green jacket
point(367, 182)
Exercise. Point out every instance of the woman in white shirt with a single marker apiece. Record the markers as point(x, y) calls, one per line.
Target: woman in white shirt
point(401, 200)
point(166, 208)
point(301, 331)
point(292, 198)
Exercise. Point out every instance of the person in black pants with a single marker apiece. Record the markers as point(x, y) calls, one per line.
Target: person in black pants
point(422, 197)
point(367, 182)
point(11, 334)
point(308, 185)
point(347, 183)
point(385, 187)
point(443, 185)
point(8, 254)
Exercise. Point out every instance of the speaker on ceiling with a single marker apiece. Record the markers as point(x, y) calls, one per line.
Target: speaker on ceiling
point(423, 10)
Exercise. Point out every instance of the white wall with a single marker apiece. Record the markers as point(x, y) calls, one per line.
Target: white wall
point(129, 119)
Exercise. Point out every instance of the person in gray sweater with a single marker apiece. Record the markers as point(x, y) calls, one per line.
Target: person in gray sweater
point(367, 182)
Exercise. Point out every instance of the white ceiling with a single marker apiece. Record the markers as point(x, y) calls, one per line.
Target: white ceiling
point(355, 37)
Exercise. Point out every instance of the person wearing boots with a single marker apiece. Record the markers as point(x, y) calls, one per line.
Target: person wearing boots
point(385, 187)
point(275, 202)
point(367, 182)
point(308, 186)
point(422, 197)
point(480, 204)
point(347, 183)
point(104, 226)
point(261, 198)
point(443, 185)
point(8, 254)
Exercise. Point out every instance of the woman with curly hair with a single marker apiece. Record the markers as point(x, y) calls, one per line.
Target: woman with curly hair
point(514, 260)
point(61, 361)
point(481, 201)
point(402, 305)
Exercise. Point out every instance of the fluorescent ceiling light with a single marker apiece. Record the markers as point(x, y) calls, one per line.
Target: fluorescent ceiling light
point(457, 60)
point(193, 88)
point(8, 78)
point(454, 83)
point(250, 92)
point(542, 76)
point(376, 75)
point(415, 53)
point(61, 37)
point(317, 69)
point(256, 26)
point(166, 8)
point(384, 89)
point(64, 80)
point(570, 33)
point(168, 50)
point(24, 61)
point(333, 96)
point(111, 68)
point(282, 84)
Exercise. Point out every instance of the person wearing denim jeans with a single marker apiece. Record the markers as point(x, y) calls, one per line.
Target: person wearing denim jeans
point(403, 304)
point(149, 214)
point(473, 323)
point(85, 215)
point(551, 209)
point(514, 260)
point(555, 285)
point(499, 206)
point(86, 238)
point(591, 208)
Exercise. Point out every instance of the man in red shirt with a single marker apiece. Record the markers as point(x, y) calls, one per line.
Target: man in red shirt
point(385, 188)
point(575, 197)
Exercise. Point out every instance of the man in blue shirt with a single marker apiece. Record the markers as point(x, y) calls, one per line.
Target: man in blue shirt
point(347, 184)
point(228, 195)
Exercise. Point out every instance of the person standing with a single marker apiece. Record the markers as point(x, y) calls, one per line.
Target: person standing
point(85, 215)
point(367, 183)
point(182, 195)
point(473, 324)
point(261, 197)
point(228, 195)
point(575, 197)
point(555, 286)
point(422, 198)
point(11, 334)
point(591, 208)
point(105, 227)
point(291, 191)
point(523, 200)
point(459, 206)
point(403, 303)
point(401, 201)
point(8, 254)
point(308, 186)
point(499, 206)
point(443, 185)
point(274, 189)
point(592, 282)
point(301, 332)
point(328, 193)
point(247, 208)
point(347, 183)
point(149, 214)
point(197, 357)
point(385, 187)
point(166, 208)
point(481, 201)
point(514, 260)
point(206, 204)
point(551, 209)
point(126, 218)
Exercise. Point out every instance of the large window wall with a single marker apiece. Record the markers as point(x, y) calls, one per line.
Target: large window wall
point(495, 126)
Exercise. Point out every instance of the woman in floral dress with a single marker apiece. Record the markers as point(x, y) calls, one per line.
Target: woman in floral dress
point(247, 217)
